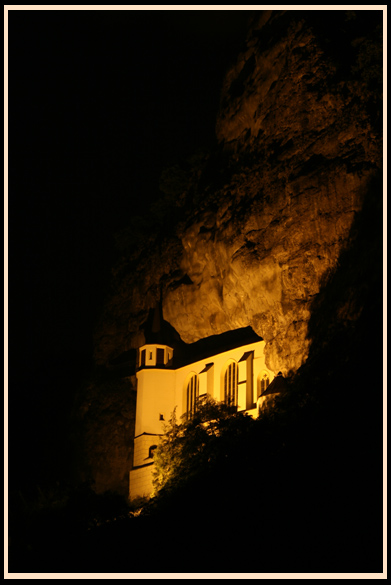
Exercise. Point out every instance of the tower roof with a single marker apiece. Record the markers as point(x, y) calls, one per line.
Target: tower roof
point(156, 330)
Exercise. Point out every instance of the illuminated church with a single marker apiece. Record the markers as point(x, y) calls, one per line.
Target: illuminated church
point(228, 367)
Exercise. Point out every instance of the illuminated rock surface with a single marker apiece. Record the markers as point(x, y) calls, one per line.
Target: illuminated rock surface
point(274, 209)
point(263, 220)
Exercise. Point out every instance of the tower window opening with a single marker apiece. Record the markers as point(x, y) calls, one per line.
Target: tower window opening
point(160, 356)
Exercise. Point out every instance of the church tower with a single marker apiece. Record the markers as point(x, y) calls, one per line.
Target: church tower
point(226, 367)
point(155, 397)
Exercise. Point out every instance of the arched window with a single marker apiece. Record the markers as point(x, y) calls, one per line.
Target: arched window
point(263, 382)
point(192, 393)
point(231, 384)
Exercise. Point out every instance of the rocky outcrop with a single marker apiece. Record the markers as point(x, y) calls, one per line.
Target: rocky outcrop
point(273, 209)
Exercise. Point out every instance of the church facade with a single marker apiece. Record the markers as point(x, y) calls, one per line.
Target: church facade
point(238, 375)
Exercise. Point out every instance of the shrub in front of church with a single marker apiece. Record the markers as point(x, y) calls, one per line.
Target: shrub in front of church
point(206, 444)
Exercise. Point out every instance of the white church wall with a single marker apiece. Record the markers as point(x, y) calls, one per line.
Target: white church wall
point(140, 482)
point(242, 371)
point(142, 445)
point(212, 381)
point(155, 399)
point(182, 376)
point(242, 396)
point(203, 377)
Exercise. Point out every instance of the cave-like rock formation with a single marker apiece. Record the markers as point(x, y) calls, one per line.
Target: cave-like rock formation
point(265, 218)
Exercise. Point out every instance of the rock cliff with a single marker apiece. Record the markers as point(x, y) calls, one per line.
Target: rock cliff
point(273, 209)
point(259, 225)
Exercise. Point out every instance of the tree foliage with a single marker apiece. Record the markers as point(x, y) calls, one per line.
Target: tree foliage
point(191, 449)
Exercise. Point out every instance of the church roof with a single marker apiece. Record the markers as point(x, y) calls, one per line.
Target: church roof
point(204, 348)
point(159, 331)
point(278, 385)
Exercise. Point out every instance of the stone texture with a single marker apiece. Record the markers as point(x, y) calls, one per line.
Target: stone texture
point(272, 210)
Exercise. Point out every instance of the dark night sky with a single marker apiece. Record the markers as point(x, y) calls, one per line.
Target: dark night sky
point(99, 103)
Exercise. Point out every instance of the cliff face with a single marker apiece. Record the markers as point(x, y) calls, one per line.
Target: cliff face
point(298, 149)
point(264, 220)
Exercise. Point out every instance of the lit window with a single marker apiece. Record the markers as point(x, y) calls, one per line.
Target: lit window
point(263, 383)
point(231, 384)
point(192, 393)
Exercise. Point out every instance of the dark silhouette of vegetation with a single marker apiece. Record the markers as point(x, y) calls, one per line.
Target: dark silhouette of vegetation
point(50, 527)
point(207, 441)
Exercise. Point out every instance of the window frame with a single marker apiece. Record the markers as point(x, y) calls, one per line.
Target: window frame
point(192, 394)
point(230, 384)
